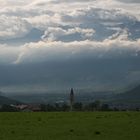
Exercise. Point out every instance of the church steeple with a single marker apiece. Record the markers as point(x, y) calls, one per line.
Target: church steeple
point(71, 99)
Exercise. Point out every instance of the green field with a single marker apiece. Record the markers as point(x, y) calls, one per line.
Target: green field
point(70, 126)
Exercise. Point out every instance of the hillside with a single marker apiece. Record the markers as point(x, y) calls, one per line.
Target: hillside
point(129, 99)
point(6, 100)
point(133, 94)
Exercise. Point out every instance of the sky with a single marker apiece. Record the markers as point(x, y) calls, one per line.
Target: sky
point(53, 45)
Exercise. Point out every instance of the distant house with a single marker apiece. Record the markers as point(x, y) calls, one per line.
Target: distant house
point(28, 108)
point(34, 107)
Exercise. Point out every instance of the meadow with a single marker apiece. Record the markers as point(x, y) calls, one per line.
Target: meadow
point(70, 126)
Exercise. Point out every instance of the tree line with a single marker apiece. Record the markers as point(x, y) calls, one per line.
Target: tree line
point(65, 107)
point(77, 106)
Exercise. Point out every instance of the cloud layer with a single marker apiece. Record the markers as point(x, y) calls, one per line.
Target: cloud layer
point(41, 33)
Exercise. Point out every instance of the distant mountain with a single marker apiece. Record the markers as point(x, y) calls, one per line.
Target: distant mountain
point(129, 99)
point(133, 94)
point(6, 100)
point(82, 96)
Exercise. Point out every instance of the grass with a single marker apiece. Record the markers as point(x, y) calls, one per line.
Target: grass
point(70, 126)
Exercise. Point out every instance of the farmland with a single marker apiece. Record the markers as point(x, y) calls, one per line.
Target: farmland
point(70, 126)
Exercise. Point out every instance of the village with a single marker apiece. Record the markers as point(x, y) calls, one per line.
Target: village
point(71, 105)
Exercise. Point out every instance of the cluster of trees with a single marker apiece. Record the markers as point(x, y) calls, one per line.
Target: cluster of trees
point(8, 108)
point(55, 107)
point(78, 106)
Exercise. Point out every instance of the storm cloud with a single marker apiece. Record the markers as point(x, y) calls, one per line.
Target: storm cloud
point(55, 44)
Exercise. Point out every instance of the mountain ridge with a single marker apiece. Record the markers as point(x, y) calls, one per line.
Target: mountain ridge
point(7, 100)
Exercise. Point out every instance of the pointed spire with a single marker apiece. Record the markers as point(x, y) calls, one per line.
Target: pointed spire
point(71, 99)
point(71, 92)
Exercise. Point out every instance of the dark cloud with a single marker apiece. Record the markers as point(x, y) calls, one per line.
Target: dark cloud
point(57, 44)
point(87, 73)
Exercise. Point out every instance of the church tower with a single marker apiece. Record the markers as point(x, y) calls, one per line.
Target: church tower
point(71, 99)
